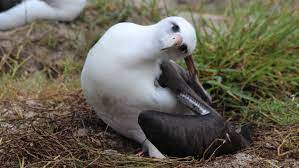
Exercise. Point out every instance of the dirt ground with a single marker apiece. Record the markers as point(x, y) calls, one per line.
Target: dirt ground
point(50, 125)
point(63, 131)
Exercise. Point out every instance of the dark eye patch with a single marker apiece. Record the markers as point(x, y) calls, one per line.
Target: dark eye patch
point(175, 28)
point(183, 48)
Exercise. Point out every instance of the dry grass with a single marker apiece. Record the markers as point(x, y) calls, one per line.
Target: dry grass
point(61, 130)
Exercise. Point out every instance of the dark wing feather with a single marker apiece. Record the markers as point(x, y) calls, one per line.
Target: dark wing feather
point(190, 135)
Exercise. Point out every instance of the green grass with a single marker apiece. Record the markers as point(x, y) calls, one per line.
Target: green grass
point(253, 67)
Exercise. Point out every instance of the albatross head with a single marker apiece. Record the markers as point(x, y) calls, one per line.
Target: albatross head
point(177, 38)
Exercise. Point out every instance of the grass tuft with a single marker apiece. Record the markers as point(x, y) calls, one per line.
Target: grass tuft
point(256, 58)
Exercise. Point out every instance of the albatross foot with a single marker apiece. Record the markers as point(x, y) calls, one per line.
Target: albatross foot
point(140, 153)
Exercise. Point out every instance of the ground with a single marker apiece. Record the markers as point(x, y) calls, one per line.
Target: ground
point(247, 56)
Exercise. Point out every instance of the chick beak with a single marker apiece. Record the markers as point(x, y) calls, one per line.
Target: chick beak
point(190, 65)
point(193, 73)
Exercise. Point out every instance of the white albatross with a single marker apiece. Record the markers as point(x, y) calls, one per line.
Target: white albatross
point(14, 13)
point(120, 73)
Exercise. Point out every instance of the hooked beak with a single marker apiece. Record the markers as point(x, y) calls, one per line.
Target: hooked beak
point(193, 72)
point(190, 65)
point(170, 41)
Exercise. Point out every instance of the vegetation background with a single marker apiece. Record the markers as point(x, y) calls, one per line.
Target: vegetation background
point(247, 56)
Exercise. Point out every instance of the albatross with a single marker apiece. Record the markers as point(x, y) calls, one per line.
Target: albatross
point(119, 77)
point(14, 13)
point(128, 74)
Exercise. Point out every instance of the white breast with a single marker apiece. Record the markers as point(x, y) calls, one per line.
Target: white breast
point(117, 86)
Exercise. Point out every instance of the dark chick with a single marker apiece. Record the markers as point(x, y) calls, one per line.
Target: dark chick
point(192, 135)
point(202, 134)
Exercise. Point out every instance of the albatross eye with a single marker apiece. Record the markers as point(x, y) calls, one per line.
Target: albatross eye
point(175, 28)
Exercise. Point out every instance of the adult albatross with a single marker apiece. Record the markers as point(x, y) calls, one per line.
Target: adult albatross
point(14, 13)
point(119, 77)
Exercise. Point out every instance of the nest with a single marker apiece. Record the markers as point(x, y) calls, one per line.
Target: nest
point(62, 130)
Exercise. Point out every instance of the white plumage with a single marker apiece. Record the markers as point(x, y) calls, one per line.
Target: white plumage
point(118, 77)
point(30, 10)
